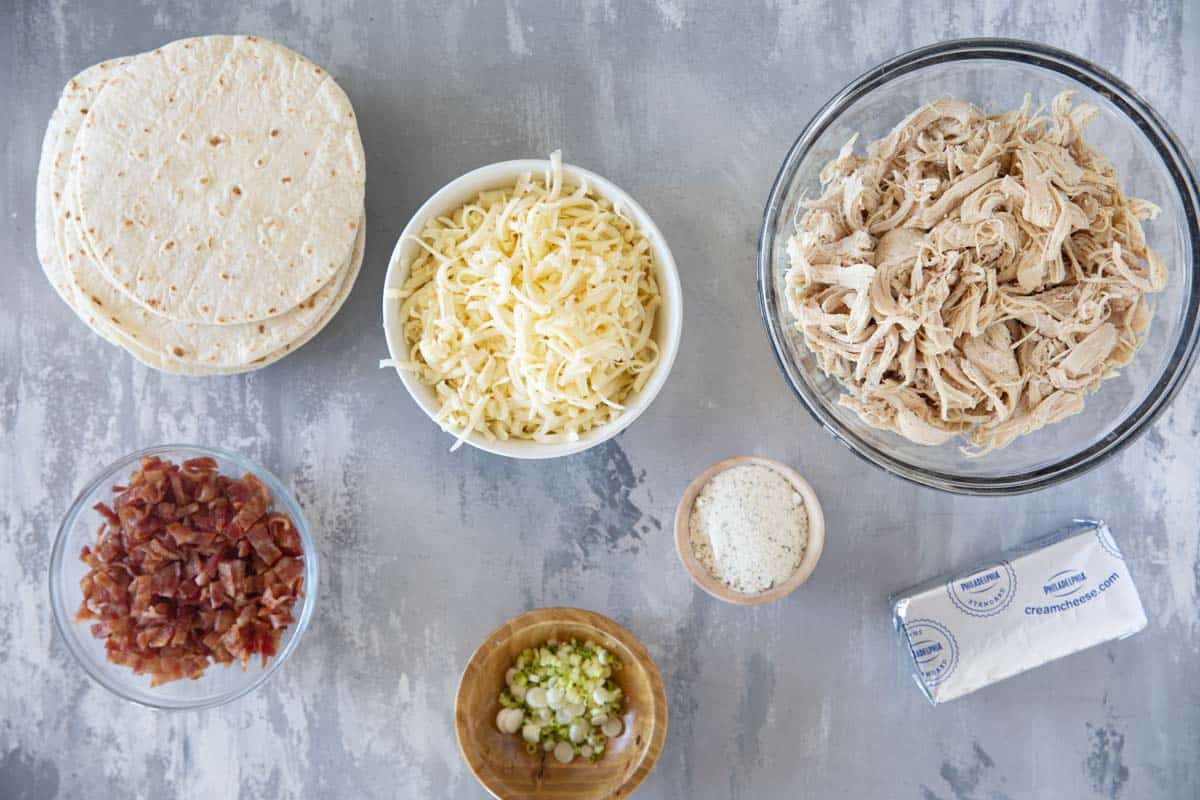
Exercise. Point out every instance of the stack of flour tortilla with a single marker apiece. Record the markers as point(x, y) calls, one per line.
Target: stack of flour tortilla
point(201, 205)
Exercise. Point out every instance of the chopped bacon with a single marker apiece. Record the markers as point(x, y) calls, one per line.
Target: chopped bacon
point(263, 544)
point(289, 570)
point(190, 568)
point(107, 513)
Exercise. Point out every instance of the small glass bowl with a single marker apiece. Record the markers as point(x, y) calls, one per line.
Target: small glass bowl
point(220, 683)
point(995, 74)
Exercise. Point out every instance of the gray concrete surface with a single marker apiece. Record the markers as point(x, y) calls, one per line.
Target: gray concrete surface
point(690, 107)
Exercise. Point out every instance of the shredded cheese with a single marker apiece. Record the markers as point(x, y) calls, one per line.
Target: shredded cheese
point(530, 310)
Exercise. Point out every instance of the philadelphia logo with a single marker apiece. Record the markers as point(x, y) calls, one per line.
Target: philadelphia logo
point(986, 592)
point(934, 650)
point(1064, 583)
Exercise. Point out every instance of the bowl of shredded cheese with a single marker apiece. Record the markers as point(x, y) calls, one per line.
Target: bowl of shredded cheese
point(532, 309)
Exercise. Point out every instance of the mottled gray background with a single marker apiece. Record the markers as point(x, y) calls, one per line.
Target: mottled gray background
point(691, 108)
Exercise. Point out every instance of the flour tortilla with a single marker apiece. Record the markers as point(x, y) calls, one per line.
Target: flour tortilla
point(225, 346)
point(51, 200)
point(220, 179)
point(175, 366)
point(190, 344)
point(203, 345)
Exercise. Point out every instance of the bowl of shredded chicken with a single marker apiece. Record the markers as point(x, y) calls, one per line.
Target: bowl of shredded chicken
point(976, 277)
point(532, 309)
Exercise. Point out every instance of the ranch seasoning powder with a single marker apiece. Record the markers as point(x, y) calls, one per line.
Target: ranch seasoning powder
point(749, 528)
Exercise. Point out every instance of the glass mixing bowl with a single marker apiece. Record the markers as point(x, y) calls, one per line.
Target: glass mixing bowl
point(995, 74)
point(220, 683)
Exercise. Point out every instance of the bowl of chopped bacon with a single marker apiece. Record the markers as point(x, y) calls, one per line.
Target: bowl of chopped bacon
point(182, 577)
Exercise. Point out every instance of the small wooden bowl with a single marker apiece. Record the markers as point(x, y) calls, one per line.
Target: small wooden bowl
point(702, 577)
point(499, 760)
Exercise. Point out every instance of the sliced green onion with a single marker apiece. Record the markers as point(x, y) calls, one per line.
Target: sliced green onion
point(565, 694)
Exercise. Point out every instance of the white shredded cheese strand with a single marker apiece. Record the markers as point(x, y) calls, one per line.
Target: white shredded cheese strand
point(530, 310)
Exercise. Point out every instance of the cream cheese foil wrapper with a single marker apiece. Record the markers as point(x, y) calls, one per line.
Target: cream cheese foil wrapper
point(1055, 596)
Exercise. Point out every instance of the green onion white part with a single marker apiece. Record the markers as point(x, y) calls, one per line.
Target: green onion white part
point(561, 699)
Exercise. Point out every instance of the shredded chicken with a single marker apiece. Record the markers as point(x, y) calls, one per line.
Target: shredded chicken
point(973, 275)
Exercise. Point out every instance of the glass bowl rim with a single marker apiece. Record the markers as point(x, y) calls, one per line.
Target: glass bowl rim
point(60, 609)
point(1173, 158)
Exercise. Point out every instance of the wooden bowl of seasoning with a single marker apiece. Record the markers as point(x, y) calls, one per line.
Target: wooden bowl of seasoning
point(499, 760)
point(749, 530)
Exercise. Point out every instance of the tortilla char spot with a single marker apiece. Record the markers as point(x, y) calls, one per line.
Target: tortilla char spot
point(96, 300)
point(333, 173)
point(128, 223)
point(215, 140)
point(178, 351)
point(83, 111)
point(183, 137)
point(145, 130)
point(274, 133)
point(258, 162)
point(237, 190)
point(262, 328)
point(152, 303)
point(204, 181)
point(271, 310)
point(205, 309)
point(317, 70)
point(224, 276)
point(353, 226)
point(350, 114)
point(286, 180)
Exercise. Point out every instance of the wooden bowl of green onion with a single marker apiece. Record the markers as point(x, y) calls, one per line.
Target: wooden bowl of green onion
point(560, 704)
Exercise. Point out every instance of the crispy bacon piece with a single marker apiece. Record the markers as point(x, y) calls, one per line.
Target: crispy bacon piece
point(190, 568)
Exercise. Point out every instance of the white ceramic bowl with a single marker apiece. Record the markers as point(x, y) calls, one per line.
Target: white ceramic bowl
point(667, 324)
